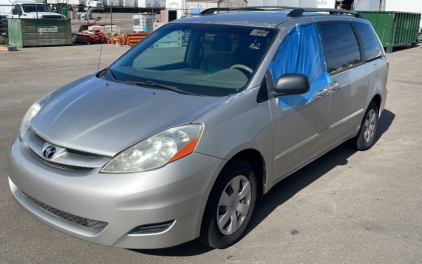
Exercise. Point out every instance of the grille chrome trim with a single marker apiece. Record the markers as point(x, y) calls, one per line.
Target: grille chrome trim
point(83, 222)
point(62, 166)
point(82, 153)
point(68, 150)
point(65, 166)
point(65, 158)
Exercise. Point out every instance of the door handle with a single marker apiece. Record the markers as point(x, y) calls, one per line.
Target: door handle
point(335, 86)
point(323, 92)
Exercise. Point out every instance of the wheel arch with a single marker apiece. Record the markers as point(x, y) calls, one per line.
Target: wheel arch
point(257, 161)
point(377, 99)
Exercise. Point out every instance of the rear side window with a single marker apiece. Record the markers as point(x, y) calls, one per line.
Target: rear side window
point(341, 46)
point(370, 42)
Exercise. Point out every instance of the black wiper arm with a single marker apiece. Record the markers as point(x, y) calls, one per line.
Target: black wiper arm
point(167, 87)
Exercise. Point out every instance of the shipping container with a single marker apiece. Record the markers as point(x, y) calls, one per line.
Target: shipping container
point(394, 28)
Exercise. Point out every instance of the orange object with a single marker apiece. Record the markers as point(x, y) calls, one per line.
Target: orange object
point(186, 150)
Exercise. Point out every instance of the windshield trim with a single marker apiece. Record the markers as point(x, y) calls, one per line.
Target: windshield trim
point(235, 91)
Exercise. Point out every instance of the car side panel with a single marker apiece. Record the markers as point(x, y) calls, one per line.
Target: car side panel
point(237, 124)
point(348, 103)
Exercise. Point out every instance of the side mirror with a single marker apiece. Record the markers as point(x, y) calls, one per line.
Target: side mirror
point(291, 84)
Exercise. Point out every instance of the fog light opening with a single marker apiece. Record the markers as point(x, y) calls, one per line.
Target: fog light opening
point(152, 228)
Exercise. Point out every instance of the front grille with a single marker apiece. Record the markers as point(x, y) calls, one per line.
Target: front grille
point(84, 222)
point(66, 167)
point(69, 151)
point(63, 166)
point(82, 153)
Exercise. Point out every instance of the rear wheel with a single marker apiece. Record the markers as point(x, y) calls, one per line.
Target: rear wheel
point(230, 206)
point(368, 129)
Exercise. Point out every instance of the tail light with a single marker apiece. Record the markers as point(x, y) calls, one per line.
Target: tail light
point(388, 62)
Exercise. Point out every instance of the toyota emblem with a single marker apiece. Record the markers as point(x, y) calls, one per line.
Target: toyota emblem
point(49, 152)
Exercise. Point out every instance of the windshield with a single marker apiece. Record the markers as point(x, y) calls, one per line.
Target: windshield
point(214, 60)
point(36, 8)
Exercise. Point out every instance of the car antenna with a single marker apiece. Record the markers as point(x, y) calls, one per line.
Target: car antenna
point(111, 35)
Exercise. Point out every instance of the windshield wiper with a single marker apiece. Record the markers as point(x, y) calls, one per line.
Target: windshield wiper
point(167, 87)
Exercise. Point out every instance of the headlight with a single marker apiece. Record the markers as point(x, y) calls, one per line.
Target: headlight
point(156, 151)
point(30, 114)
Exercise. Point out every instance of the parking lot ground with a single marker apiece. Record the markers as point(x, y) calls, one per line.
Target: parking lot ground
point(345, 207)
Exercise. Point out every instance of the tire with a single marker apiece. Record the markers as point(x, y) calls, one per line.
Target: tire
point(224, 236)
point(365, 139)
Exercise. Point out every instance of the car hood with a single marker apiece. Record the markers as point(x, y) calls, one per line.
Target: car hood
point(104, 117)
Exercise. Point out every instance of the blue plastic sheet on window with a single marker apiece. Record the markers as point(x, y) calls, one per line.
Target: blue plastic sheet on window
point(301, 52)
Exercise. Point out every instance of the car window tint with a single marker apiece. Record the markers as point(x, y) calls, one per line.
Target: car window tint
point(172, 46)
point(370, 42)
point(341, 46)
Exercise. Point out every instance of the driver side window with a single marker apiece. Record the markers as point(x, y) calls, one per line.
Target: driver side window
point(301, 52)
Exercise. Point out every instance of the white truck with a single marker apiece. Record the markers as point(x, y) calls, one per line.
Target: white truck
point(27, 9)
point(80, 5)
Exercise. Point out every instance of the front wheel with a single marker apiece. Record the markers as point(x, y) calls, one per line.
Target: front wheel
point(368, 129)
point(230, 205)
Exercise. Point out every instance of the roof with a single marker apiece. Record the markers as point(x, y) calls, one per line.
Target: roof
point(256, 19)
point(262, 16)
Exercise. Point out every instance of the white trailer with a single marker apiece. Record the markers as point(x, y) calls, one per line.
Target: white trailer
point(26, 9)
point(137, 5)
point(80, 5)
point(410, 6)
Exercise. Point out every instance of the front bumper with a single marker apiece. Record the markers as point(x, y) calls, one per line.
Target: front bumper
point(178, 191)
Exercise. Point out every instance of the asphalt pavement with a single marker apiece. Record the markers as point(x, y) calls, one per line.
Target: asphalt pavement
point(346, 207)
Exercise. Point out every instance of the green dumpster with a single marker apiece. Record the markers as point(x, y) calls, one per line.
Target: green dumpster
point(39, 32)
point(394, 28)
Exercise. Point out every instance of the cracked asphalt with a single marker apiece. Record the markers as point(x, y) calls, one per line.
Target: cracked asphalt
point(345, 207)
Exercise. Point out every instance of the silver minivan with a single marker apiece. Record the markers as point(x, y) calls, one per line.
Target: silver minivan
point(176, 139)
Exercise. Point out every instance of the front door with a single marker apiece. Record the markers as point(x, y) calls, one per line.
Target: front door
point(300, 122)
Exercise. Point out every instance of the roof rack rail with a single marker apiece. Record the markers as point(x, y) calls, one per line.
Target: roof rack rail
point(246, 8)
point(296, 12)
point(299, 12)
